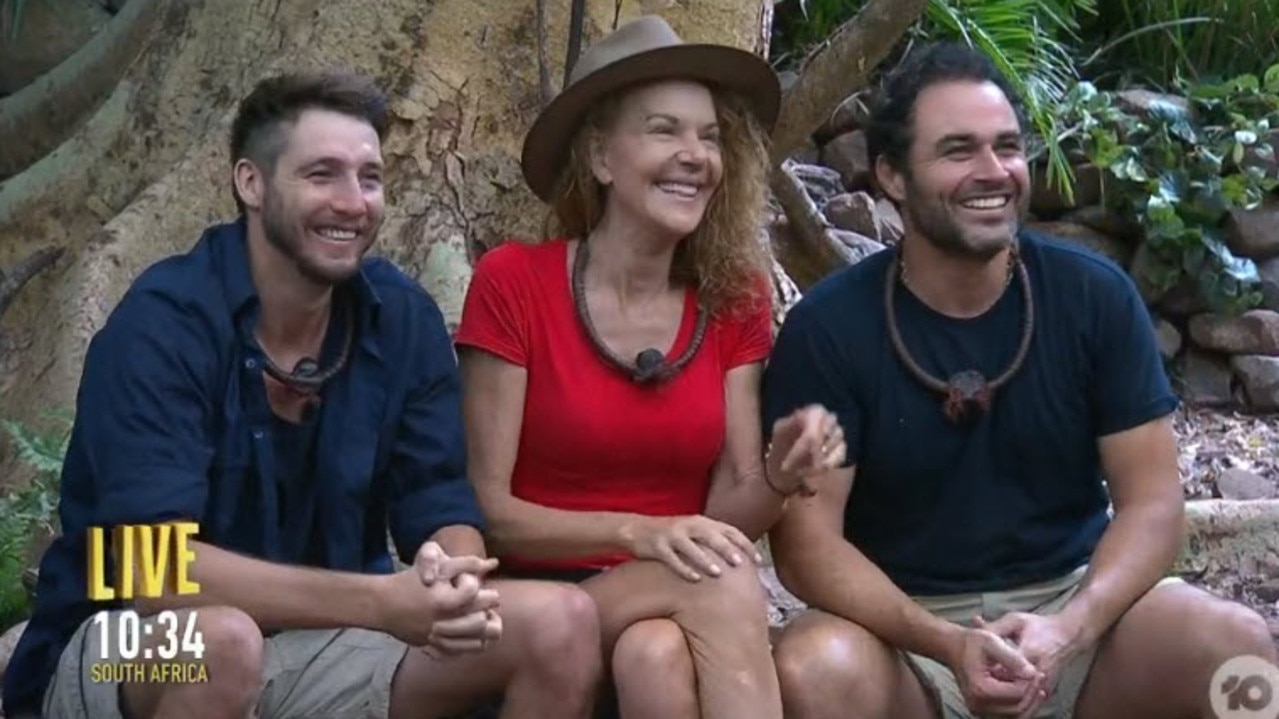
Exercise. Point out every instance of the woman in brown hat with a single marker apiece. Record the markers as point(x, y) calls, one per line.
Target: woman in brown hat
point(611, 372)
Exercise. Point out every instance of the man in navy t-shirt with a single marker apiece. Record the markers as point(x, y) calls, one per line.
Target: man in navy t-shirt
point(999, 390)
point(298, 401)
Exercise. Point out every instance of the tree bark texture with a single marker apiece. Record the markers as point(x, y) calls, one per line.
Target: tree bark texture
point(145, 167)
point(147, 170)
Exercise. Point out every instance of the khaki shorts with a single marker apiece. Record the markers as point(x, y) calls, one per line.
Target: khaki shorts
point(1044, 598)
point(311, 674)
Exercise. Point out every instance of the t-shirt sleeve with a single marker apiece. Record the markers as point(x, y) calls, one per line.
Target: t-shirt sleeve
point(1130, 385)
point(495, 314)
point(808, 366)
point(751, 337)
point(145, 405)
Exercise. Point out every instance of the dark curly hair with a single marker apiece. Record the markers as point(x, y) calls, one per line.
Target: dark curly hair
point(890, 129)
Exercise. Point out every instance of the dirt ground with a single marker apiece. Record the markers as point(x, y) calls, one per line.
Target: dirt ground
point(1211, 443)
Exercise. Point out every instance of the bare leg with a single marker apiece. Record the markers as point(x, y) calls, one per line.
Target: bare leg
point(233, 661)
point(547, 664)
point(831, 668)
point(653, 671)
point(724, 620)
point(1158, 660)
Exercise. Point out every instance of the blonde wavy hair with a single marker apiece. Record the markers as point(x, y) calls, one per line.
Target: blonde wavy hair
point(723, 259)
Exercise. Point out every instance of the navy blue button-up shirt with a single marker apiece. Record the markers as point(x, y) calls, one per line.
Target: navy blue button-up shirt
point(172, 422)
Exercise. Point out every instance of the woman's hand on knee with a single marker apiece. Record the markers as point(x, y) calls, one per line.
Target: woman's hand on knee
point(692, 546)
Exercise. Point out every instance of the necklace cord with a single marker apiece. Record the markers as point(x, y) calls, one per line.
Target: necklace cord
point(968, 386)
point(307, 377)
point(645, 369)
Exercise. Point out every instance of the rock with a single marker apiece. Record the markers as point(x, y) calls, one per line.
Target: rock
point(1169, 339)
point(1205, 379)
point(782, 605)
point(1254, 233)
point(846, 154)
point(808, 154)
point(853, 211)
point(889, 221)
point(1242, 484)
point(1146, 102)
point(1255, 332)
point(1224, 535)
point(1268, 272)
point(1266, 161)
point(821, 183)
point(858, 212)
point(1185, 299)
point(1259, 376)
point(1086, 237)
point(1268, 591)
point(7, 644)
point(1106, 222)
point(1047, 199)
point(851, 114)
point(1180, 301)
point(852, 246)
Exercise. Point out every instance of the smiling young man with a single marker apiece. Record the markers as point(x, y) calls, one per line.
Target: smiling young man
point(998, 390)
point(294, 398)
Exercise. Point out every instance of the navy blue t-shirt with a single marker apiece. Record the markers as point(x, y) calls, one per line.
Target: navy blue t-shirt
point(1016, 497)
point(173, 422)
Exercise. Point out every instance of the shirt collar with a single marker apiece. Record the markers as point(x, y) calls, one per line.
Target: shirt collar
point(230, 242)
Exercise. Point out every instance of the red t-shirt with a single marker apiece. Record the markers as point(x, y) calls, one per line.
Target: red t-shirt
point(592, 439)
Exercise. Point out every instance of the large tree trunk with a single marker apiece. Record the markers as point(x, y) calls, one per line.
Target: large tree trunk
point(148, 170)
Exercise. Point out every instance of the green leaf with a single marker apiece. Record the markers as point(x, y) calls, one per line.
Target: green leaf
point(1271, 80)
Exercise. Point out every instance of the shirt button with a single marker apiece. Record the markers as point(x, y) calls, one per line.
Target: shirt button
point(250, 363)
point(257, 434)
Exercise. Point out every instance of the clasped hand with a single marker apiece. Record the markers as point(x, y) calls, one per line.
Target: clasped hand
point(1011, 666)
point(441, 605)
point(806, 443)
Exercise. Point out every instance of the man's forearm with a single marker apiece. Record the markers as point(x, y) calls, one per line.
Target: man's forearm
point(834, 576)
point(276, 596)
point(1134, 553)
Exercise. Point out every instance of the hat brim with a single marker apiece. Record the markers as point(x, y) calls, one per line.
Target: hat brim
point(547, 143)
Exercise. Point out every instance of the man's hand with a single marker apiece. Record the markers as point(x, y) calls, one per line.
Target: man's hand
point(1048, 642)
point(994, 677)
point(690, 545)
point(450, 613)
point(807, 442)
point(471, 631)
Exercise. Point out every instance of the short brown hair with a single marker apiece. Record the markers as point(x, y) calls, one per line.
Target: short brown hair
point(258, 131)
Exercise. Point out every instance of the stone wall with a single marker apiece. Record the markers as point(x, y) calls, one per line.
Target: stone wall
point(1214, 360)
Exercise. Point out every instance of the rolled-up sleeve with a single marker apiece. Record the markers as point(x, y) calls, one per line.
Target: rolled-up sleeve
point(429, 485)
point(143, 412)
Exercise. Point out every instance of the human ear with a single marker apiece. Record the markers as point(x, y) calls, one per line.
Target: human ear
point(250, 185)
point(890, 179)
point(599, 159)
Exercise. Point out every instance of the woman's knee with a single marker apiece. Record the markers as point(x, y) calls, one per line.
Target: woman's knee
point(652, 647)
point(736, 592)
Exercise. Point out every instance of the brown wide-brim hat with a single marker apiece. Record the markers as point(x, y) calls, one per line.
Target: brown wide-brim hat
point(642, 50)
